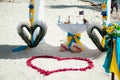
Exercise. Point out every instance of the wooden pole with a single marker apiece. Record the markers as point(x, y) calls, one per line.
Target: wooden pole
point(112, 76)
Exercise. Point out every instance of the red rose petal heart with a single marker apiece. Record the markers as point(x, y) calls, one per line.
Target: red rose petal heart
point(48, 72)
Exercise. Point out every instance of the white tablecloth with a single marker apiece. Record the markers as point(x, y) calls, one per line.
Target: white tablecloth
point(73, 28)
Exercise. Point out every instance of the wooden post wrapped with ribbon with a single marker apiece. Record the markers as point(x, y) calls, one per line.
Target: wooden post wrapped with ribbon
point(106, 8)
point(37, 28)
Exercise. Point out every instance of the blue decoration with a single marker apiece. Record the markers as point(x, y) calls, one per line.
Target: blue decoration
point(118, 52)
point(108, 57)
point(118, 23)
point(104, 13)
point(21, 48)
point(110, 24)
point(73, 40)
point(31, 6)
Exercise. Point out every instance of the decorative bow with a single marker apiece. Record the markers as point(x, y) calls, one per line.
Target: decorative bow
point(74, 38)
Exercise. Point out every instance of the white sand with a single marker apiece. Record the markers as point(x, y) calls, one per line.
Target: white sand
point(13, 65)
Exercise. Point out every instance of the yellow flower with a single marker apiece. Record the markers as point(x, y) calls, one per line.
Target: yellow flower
point(110, 29)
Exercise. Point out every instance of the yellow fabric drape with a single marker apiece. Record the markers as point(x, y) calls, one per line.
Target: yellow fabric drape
point(113, 66)
point(75, 36)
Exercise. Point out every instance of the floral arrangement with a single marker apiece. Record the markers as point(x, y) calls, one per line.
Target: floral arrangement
point(113, 29)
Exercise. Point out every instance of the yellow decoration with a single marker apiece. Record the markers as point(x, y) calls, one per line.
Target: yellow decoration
point(109, 30)
point(31, 21)
point(113, 65)
point(104, 27)
point(103, 6)
point(32, 13)
point(104, 17)
point(75, 36)
point(103, 41)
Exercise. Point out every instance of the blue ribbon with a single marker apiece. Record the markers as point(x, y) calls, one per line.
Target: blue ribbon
point(72, 40)
point(118, 52)
point(108, 57)
point(104, 13)
point(21, 48)
point(31, 6)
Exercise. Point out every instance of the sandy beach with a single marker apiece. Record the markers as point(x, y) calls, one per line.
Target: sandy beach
point(13, 64)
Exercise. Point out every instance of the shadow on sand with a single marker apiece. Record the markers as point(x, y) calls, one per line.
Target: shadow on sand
point(44, 49)
point(97, 8)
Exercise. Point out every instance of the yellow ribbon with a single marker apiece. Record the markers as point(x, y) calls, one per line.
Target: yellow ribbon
point(103, 6)
point(32, 13)
point(104, 18)
point(113, 66)
point(103, 41)
point(76, 37)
